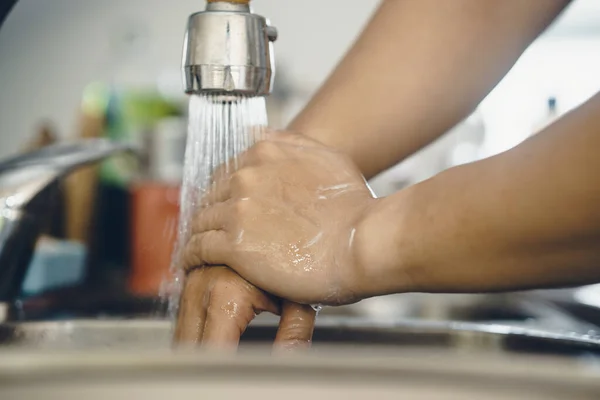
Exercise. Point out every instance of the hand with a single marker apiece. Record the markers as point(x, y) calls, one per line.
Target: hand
point(286, 221)
point(217, 306)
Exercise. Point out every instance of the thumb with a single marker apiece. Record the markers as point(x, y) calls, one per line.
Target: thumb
point(295, 327)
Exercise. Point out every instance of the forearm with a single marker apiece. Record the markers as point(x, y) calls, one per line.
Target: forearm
point(526, 218)
point(419, 68)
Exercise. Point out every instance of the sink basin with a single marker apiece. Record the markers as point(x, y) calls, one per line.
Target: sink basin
point(330, 374)
point(155, 334)
point(498, 323)
point(353, 358)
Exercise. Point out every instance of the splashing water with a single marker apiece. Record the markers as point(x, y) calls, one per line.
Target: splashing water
point(317, 308)
point(218, 130)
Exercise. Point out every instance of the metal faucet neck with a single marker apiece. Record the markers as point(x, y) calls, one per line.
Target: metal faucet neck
point(227, 6)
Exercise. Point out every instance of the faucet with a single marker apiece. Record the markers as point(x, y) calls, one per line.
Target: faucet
point(228, 51)
point(27, 183)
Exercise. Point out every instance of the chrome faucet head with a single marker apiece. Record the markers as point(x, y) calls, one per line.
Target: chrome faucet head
point(228, 50)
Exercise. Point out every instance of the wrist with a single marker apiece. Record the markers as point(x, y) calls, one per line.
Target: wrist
point(385, 252)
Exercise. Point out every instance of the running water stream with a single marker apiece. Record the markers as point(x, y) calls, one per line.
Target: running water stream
point(219, 129)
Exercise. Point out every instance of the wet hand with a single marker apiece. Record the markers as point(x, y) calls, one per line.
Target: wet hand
point(218, 305)
point(286, 221)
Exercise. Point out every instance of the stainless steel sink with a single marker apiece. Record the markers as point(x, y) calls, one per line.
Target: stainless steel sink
point(330, 374)
point(353, 358)
point(155, 334)
point(499, 323)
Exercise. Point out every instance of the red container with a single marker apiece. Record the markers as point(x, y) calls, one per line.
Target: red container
point(155, 211)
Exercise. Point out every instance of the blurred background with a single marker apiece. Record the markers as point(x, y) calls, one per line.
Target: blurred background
point(111, 68)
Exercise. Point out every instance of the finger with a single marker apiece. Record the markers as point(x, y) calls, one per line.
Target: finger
point(233, 304)
point(238, 184)
point(219, 183)
point(223, 171)
point(268, 151)
point(295, 327)
point(218, 192)
point(211, 218)
point(229, 314)
point(208, 248)
point(219, 188)
point(191, 316)
point(233, 164)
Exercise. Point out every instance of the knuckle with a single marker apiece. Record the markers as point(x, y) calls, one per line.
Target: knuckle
point(241, 207)
point(197, 222)
point(242, 180)
point(204, 220)
point(236, 178)
point(295, 334)
point(223, 173)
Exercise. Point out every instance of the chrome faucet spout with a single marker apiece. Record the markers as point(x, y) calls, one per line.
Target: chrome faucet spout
point(26, 186)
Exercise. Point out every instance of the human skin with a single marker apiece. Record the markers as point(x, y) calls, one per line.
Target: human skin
point(298, 221)
point(418, 68)
point(217, 306)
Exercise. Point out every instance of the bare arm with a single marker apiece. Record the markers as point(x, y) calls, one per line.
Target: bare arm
point(526, 218)
point(418, 69)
